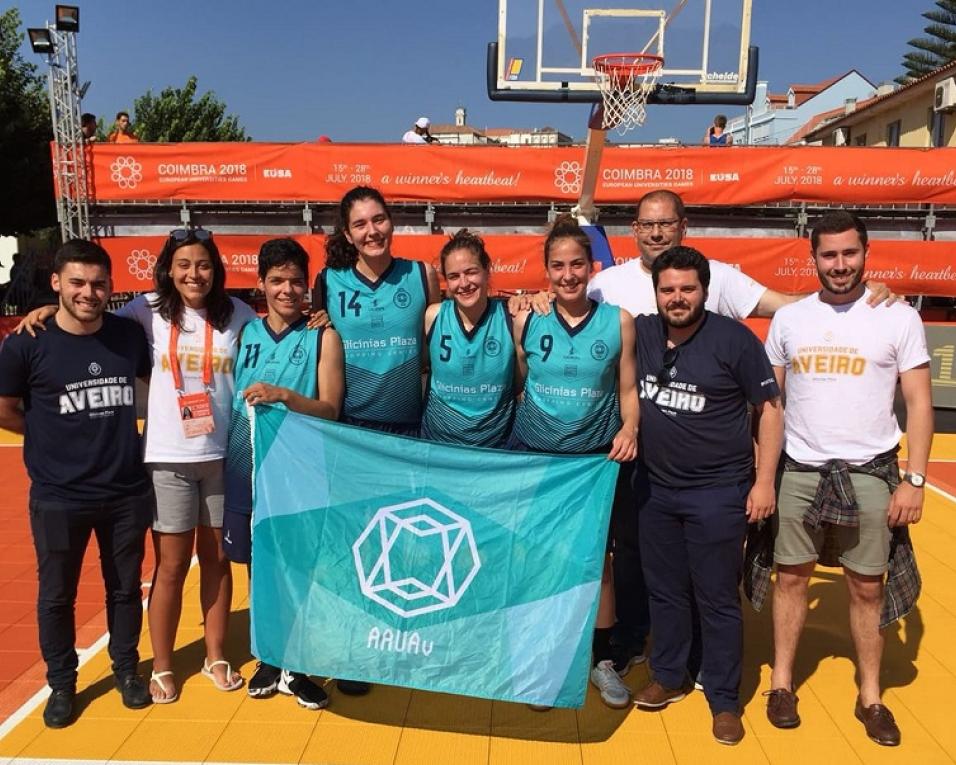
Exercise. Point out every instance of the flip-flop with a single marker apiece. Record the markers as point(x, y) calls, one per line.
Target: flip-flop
point(207, 668)
point(157, 677)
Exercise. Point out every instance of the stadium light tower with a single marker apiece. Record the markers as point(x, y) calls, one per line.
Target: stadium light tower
point(58, 43)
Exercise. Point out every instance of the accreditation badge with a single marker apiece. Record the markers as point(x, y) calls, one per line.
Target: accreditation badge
point(195, 413)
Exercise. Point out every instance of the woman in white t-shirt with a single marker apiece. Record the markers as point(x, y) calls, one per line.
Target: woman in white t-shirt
point(193, 328)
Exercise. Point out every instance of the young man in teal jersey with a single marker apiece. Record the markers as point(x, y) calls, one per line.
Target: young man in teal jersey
point(283, 363)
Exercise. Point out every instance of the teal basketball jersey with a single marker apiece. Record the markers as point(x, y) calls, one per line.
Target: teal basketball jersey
point(288, 360)
point(570, 395)
point(381, 327)
point(471, 389)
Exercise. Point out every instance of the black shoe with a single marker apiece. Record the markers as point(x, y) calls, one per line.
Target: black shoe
point(134, 690)
point(58, 712)
point(265, 681)
point(624, 657)
point(353, 687)
point(307, 693)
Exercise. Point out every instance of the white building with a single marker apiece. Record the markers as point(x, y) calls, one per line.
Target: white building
point(463, 133)
point(774, 117)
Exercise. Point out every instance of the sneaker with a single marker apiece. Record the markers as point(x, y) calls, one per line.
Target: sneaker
point(353, 687)
point(134, 690)
point(307, 693)
point(625, 657)
point(58, 712)
point(655, 696)
point(613, 692)
point(265, 681)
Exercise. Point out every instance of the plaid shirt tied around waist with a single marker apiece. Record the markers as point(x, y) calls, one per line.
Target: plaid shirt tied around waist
point(835, 505)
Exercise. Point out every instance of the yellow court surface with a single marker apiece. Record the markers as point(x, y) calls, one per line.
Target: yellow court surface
point(395, 725)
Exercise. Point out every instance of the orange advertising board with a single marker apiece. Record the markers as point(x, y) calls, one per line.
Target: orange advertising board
point(323, 172)
point(909, 267)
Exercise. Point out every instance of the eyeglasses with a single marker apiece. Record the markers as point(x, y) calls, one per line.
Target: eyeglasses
point(185, 234)
point(646, 226)
point(667, 371)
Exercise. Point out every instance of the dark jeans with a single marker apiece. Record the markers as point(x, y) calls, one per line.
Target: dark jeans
point(630, 592)
point(692, 548)
point(61, 532)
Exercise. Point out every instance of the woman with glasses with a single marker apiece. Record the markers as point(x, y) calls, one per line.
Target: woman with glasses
point(471, 392)
point(192, 326)
point(580, 397)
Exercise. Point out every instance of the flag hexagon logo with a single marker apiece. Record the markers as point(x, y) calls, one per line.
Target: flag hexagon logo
point(416, 557)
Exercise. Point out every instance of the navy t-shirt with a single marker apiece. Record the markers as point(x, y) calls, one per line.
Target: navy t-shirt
point(81, 444)
point(695, 428)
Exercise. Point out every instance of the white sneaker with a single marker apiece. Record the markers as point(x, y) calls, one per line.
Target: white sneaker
point(613, 692)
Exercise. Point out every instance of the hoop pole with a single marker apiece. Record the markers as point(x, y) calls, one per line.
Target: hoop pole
point(592, 163)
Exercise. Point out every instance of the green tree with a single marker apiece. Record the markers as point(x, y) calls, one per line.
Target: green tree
point(936, 50)
point(26, 170)
point(177, 115)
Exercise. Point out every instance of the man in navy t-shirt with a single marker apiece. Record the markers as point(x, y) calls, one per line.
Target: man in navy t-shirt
point(76, 382)
point(696, 492)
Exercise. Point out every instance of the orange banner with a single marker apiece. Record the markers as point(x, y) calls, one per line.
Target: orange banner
point(247, 172)
point(910, 268)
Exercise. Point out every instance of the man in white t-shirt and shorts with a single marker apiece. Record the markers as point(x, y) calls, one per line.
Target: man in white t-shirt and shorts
point(838, 359)
point(660, 222)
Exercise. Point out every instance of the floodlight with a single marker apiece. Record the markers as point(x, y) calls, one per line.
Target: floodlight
point(40, 40)
point(67, 18)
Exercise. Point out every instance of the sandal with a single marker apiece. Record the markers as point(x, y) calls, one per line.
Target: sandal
point(157, 677)
point(230, 685)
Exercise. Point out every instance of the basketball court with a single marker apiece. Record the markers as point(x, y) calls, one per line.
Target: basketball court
point(683, 52)
point(397, 725)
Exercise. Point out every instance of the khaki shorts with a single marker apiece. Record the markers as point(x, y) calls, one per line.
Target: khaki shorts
point(864, 550)
point(188, 494)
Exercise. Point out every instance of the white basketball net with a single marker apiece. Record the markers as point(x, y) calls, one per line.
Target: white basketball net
point(625, 83)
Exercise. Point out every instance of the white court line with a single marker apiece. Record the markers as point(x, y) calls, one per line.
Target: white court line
point(938, 490)
point(84, 655)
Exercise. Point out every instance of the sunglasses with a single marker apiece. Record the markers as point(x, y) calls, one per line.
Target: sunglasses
point(667, 371)
point(185, 234)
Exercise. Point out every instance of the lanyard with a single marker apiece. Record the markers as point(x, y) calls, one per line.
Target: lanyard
point(174, 358)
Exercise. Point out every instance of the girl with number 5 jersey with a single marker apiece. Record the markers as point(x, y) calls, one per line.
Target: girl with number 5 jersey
point(471, 351)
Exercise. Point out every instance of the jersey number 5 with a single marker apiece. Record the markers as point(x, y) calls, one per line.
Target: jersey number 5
point(353, 304)
point(445, 346)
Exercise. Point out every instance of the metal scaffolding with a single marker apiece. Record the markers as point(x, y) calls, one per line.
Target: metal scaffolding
point(70, 159)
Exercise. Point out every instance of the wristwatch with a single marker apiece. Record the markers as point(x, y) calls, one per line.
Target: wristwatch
point(915, 479)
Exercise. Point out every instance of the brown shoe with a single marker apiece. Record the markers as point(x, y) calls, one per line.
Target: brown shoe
point(727, 728)
point(655, 696)
point(879, 723)
point(782, 708)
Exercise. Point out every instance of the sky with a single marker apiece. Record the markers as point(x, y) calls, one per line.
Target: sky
point(292, 70)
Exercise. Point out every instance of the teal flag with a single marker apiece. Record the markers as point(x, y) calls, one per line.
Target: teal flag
point(406, 562)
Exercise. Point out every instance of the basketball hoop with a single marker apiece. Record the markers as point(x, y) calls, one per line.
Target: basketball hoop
point(626, 80)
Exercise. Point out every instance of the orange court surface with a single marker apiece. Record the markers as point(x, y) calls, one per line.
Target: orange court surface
point(397, 725)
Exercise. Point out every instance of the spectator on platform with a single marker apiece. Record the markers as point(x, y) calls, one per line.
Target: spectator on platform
point(122, 130)
point(420, 132)
point(88, 127)
point(717, 134)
